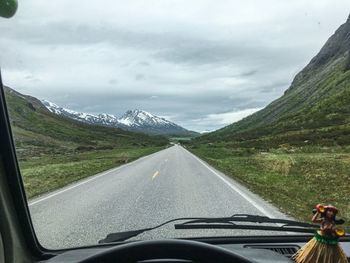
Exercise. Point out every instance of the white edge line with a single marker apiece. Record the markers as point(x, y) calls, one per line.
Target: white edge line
point(87, 180)
point(234, 188)
point(250, 200)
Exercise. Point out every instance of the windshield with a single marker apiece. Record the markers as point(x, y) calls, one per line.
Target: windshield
point(127, 114)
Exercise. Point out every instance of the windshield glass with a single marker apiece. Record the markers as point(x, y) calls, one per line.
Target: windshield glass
point(126, 114)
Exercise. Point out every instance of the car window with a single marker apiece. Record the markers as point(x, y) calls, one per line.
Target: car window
point(128, 114)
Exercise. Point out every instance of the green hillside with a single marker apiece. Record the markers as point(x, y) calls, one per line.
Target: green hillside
point(315, 108)
point(54, 151)
point(296, 149)
point(38, 131)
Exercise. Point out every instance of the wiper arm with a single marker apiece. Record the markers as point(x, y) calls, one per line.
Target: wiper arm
point(248, 218)
point(247, 227)
point(220, 223)
point(229, 223)
point(121, 236)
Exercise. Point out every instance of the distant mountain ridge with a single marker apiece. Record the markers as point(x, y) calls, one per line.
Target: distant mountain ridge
point(38, 131)
point(315, 108)
point(101, 119)
point(132, 120)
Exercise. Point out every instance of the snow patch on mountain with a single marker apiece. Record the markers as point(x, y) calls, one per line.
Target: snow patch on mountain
point(141, 118)
point(134, 120)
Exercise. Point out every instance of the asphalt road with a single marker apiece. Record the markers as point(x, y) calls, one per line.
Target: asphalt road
point(165, 185)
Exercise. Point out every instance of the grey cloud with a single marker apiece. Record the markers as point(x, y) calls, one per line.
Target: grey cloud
point(112, 81)
point(280, 85)
point(144, 63)
point(230, 53)
point(139, 77)
point(64, 33)
point(184, 47)
point(183, 65)
point(249, 73)
point(31, 78)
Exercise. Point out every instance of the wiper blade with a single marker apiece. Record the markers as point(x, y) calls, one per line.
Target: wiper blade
point(249, 218)
point(229, 223)
point(121, 236)
point(247, 227)
point(220, 223)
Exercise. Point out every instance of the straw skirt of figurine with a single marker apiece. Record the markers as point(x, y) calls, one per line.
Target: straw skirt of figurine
point(317, 252)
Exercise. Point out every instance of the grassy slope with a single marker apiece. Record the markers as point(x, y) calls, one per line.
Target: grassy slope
point(290, 170)
point(53, 171)
point(292, 179)
point(54, 151)
point(319, 116)
point(37, 130)
point(315, 108)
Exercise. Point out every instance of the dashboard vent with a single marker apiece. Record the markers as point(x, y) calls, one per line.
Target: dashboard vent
point(287, 251)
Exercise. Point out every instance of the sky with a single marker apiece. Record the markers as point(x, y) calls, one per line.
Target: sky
point(202, 64)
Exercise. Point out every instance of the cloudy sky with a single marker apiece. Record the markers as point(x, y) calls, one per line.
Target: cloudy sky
point(202, 64)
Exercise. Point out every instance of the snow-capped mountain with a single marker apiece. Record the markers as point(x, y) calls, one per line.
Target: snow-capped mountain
point(101, 119)
point(139, 120)
point(133, 120)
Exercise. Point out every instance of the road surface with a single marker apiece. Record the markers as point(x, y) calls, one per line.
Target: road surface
point(165, 185)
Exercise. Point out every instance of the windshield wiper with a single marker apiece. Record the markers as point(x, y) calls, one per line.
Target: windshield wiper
point(121, 236)
point(222, 223)
point(229, 223)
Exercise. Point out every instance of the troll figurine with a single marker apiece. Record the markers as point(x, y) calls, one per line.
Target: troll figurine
point(324, 247)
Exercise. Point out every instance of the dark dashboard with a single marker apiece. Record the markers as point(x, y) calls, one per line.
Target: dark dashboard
point(258, 250)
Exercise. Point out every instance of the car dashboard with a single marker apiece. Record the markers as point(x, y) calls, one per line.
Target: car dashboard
point(260, 250)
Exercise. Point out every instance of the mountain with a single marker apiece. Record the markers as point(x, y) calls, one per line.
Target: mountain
point(314, 109)
point(101, 119)
point(138, 120)
point(37, 130)
point(132, 120)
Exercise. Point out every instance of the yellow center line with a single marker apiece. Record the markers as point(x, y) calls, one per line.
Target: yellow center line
point(155, 175)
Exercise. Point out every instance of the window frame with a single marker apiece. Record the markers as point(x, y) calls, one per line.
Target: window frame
point(14, 180)
point(18, 195)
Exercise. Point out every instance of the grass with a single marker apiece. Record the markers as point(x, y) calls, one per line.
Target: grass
point(49, 172)
point(294, 179)
point(315, 108)
point(38, 131)
point(274, 151)
point(54, 151)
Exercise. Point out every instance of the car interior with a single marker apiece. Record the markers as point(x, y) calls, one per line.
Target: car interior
point(19, 243)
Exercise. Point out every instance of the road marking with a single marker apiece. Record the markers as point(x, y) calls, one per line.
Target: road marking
point(30, 203)
point(245, 196)
point(67, 189)
point(233, 187)
point(155, 175)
